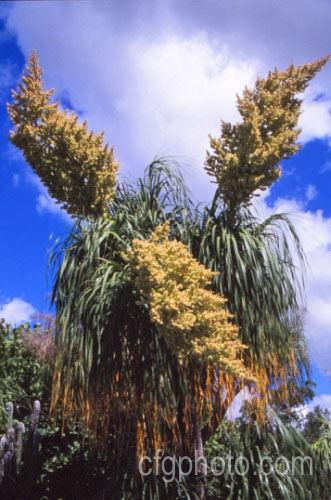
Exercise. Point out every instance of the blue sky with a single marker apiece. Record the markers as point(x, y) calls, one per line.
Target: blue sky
point(158, 77)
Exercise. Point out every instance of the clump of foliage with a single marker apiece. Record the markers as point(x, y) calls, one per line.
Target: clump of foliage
point(24, 376)
point(313, 422)
point(322, 449)
point(40, 341)
point(278, 461)
point(78, 170)
point(246, 157)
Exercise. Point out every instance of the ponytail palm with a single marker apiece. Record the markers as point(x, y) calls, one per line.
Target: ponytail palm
point(115, 367)
point(112, 351)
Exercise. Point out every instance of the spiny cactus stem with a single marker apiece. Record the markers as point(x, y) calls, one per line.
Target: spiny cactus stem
point(19, 445)
point(10, 411)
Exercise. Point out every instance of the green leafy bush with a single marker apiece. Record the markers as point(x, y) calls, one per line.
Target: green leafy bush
point(24, 374)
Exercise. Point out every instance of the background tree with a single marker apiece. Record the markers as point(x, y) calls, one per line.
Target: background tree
point(313, 422)
point(281, 463)
point(25, 369)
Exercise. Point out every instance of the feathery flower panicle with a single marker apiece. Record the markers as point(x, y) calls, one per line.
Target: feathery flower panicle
point(75, 165)
point(246, 156)
point(193, 320)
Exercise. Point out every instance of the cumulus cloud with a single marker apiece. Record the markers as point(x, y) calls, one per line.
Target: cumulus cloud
point(16, 180)
point(44, 203)
point(315, 120)
point(7, 80)
point(16, 311)
point(326, 167)
point(311, 192)
point(324, 401)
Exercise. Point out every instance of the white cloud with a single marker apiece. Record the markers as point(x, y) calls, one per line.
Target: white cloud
point(315, 120)
point(311, 192)
point(16, 180)
point(234, 410)
point(45, 204)
point(326, 167)
point(6, 80)
point(16, 311)
point(324, 401)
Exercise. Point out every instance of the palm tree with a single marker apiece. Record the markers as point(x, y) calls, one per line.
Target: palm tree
point(113, 371)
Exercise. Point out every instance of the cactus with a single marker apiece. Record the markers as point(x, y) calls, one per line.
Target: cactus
point(3, 445)
point(10, 411)
point(9, 449)
point(33, 431)
point(19, 445)
point(10, 454)
point(11, 446)
point(34, 417)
